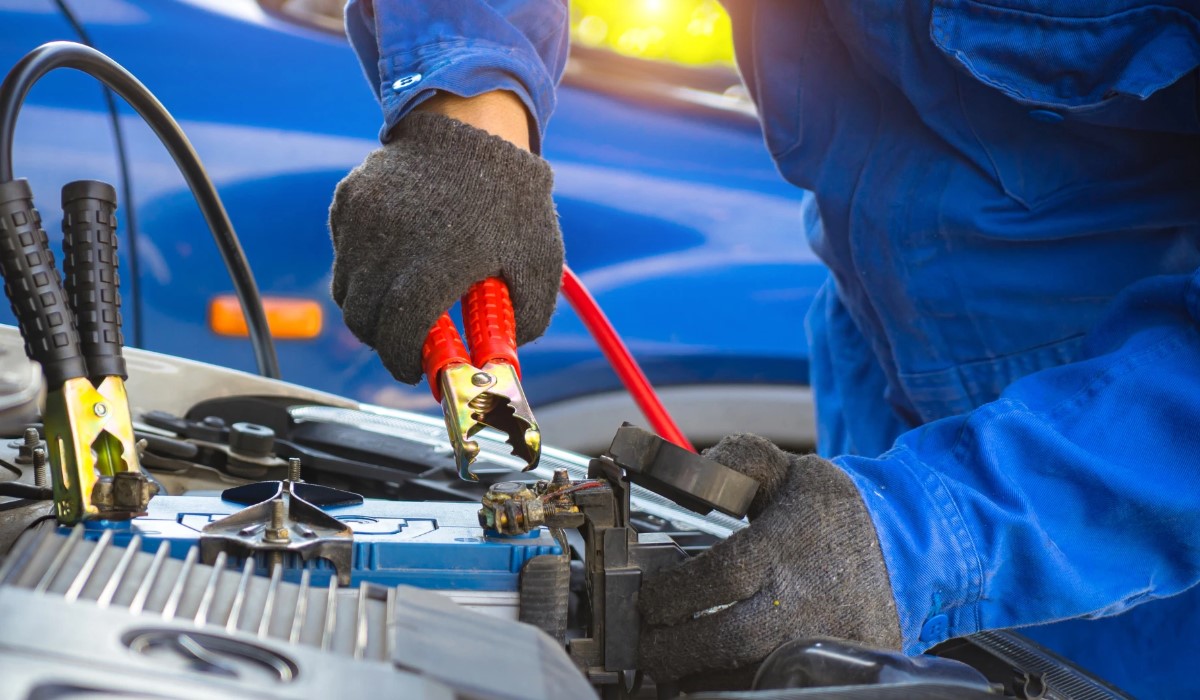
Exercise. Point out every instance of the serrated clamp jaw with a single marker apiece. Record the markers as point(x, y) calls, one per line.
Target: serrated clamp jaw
point(491, 396)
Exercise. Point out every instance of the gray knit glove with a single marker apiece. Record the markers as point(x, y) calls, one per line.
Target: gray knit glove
point(440, 207)
point(809, 564)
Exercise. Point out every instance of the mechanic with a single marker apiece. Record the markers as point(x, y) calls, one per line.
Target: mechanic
point(1006, 358)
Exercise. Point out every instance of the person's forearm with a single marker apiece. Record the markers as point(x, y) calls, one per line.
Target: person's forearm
point(500, 113)
point(1071, 494)
point(412, 52)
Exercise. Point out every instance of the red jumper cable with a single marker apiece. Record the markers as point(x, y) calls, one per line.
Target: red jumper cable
point(621, 359)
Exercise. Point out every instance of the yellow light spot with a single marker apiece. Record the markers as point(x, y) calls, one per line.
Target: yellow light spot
point(777, 603)
point(690, 32)
point(591, 30)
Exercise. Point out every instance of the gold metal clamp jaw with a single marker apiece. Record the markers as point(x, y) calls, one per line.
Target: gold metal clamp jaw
point(482, 388)
point(491, 396)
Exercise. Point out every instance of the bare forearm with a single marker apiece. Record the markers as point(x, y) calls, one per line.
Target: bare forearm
point(500, 113)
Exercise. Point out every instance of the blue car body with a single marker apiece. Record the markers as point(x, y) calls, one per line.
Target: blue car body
point(672, 211)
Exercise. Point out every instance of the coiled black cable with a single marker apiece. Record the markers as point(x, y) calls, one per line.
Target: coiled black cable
point(67, 54)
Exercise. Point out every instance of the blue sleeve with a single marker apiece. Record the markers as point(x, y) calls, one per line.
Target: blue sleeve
point(1075, 494)
point(411, 48)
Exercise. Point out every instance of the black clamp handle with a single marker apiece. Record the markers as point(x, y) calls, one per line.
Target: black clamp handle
point(35, 289)
point(90, 267)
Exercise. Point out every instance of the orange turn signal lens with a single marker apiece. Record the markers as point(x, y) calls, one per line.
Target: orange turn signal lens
point(288, 319)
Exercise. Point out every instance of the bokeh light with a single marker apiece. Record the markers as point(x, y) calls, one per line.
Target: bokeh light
point(690, 32)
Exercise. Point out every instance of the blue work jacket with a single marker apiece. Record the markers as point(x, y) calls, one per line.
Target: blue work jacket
point(1007, 356)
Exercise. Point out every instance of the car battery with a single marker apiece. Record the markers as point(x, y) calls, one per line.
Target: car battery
point(434, 545)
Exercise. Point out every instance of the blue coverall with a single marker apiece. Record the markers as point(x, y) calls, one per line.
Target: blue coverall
point(1007, 357)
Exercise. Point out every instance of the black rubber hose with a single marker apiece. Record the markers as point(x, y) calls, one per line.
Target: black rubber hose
point(16, 489)
point(67, 54)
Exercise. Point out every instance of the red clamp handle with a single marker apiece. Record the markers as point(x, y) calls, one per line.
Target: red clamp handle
point(490, 323)
point(443, 347)
point(491, 331)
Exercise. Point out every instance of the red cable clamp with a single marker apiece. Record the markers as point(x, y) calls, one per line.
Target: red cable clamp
point(483, 388)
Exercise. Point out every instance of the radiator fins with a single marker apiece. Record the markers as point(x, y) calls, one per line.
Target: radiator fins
point(339, 620)
point(398, 642)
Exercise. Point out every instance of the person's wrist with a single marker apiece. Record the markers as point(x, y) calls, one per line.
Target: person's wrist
point(500, 113)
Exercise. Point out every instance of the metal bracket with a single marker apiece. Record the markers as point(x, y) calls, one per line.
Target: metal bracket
point(283, 524)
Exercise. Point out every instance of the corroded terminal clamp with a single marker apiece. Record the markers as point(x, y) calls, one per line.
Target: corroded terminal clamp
point(514, 508)
point(75, 334)
point(483, 388)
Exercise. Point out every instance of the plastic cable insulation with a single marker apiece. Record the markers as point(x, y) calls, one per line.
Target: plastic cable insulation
point(490, 324)
point(621, 359)
point(443, 347)
point(90, 275)
point(66, 54)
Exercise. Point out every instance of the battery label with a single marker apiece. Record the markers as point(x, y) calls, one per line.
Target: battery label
point(427, 544)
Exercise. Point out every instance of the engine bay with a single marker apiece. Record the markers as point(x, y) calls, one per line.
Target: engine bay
point(375, 574)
